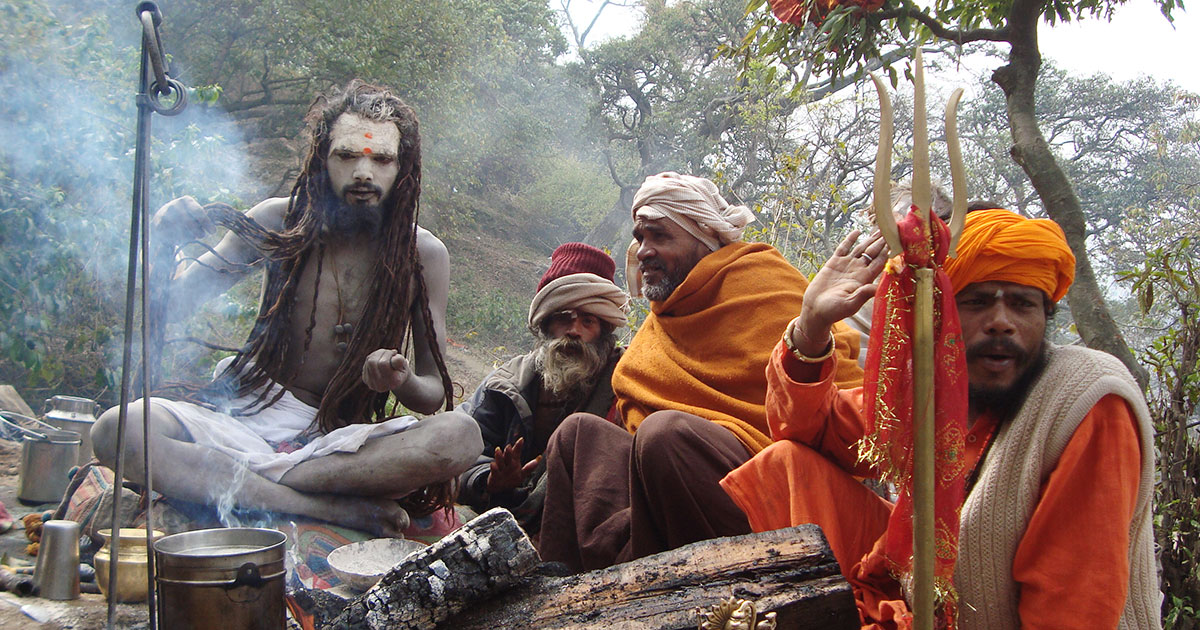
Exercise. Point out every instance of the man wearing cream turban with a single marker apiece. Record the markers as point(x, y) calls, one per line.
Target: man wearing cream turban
point(573, 316)
point(1055, 530)
point(690, 388)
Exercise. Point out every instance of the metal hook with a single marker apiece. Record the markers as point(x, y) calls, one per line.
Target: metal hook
point(155, 99)
point(150, 17)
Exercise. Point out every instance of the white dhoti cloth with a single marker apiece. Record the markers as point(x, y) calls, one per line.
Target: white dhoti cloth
point(252, 439)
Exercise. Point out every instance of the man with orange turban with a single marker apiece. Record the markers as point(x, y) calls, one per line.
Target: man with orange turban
point(1055, 530)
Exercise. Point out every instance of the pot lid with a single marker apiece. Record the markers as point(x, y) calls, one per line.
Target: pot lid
point(72, 404)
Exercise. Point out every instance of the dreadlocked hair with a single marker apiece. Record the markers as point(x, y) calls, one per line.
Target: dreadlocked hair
point(394, 278)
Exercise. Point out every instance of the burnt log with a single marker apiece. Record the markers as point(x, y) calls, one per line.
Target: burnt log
point(791, 572)
point(486, 556)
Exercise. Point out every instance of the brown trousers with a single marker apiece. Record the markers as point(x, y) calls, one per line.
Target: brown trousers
point(613, 497)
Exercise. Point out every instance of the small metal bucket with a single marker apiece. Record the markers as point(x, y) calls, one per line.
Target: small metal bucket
point(72, 413)
point(221, 578)
point(47, 456)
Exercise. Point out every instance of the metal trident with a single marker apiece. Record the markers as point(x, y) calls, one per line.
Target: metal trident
point(923, 367)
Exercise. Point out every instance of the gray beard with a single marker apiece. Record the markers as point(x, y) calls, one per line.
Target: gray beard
point(570, 368)
point(661, 291)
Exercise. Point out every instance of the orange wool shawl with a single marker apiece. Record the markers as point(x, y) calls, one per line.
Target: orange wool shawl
point(704, 350)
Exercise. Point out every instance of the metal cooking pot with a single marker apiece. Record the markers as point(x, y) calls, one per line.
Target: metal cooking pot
point(72, 413)
point(47, 456)
point(230, 578)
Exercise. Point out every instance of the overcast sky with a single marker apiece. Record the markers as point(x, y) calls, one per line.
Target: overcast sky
point(1138, 40)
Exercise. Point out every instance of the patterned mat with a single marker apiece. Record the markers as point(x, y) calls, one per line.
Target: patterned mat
point(309, 544)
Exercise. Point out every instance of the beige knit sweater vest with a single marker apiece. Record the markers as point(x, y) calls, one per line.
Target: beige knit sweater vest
point(1025, 452)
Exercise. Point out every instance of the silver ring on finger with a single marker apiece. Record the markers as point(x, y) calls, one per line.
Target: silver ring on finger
point(866, 258)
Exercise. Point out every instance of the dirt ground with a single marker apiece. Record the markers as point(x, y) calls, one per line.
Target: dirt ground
point(89, 612)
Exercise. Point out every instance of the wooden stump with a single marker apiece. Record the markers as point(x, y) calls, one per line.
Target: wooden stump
point(487, 555)
point(791, 572)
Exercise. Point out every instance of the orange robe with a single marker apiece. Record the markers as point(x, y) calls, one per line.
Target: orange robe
point(704, 348)
point(1071, 564)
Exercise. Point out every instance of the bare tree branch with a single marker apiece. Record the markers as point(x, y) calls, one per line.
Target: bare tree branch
point(940, 30)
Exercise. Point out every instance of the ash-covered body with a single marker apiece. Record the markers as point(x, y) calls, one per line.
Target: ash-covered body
point(351, 279)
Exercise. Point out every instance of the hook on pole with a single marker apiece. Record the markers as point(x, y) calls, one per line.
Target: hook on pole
point(168, 101)
point(151, 18)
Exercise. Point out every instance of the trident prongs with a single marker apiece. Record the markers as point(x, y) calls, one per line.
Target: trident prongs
point(883, 171)
point(958, 172)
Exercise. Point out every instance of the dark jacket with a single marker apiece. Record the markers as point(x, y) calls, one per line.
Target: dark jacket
point(503, 406)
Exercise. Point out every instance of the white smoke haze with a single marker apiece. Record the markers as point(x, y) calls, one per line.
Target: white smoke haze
point(67, 141)
point(222, 498)
point(503, 143)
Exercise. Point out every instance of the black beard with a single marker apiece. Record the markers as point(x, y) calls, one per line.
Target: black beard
point(1003, 403)
point(346, 219)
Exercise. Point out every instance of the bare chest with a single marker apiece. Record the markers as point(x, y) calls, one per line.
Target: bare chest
point(327, 310)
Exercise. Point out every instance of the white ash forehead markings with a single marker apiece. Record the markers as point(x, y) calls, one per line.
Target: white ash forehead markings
point(349, 130)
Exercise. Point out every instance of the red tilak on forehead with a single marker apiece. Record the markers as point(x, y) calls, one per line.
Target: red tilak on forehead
point(368, 135)
point(367, 150)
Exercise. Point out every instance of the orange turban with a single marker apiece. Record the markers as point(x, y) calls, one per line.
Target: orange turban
point(999, 245)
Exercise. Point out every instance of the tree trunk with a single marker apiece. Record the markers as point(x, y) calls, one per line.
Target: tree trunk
point(790, 572)
point(1031, 151)
point(613, 232)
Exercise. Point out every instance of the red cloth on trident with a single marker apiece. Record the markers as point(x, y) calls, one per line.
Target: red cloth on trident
point(888, 400)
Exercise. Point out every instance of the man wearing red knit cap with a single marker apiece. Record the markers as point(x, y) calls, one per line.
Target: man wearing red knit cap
point(1055, 529)
point(573, 316)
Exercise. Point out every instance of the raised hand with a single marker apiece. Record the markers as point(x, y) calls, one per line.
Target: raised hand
point(506, 471)
point(385, 369)
point(845, 282)
point(179, 220)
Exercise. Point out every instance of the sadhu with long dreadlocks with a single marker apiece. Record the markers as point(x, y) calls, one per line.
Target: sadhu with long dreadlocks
point(350, 281)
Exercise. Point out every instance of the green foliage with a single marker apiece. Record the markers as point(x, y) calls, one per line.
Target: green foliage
point(849, 40)
point(56, 318)
point(65, 192)
point(1122, 144)
point(488, 316)
point(842, 43)
point(480, 75)
point(569, 194)
point(814, 165)
point(663, 102)
point(667, 101)
point(1167, 287)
